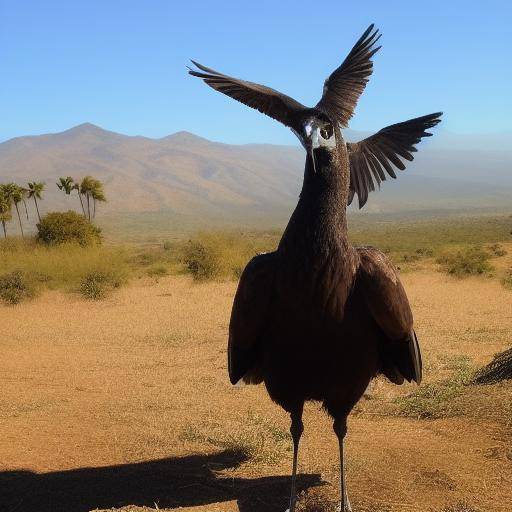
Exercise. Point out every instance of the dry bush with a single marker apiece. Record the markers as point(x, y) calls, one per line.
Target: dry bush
point(465, 262)
point(217, 256)
point(16, 286)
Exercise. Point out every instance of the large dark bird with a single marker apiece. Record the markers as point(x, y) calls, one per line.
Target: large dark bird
point(318, 318)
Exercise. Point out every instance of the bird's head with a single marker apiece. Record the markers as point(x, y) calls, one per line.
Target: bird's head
point(318, 136)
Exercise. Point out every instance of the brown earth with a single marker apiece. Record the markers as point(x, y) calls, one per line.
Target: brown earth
point(125, 403)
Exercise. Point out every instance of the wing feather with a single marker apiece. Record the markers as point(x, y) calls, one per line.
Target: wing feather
point(389, 307)
point(268, 101)
point(346, 83)
point(383, 150)
point(249, 318)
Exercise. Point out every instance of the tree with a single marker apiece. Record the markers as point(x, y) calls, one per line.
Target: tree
point(97, 194)
point(68, 184)
point(87, 186)
point(16, 194)
point(5, 209)
point(35, 189)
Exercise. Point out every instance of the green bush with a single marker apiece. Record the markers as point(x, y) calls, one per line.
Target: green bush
point(470, 261)
point(97, 284)
point(16, 287)
point(65, 227)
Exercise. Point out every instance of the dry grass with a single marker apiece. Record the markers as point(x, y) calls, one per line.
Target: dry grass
point(139, 380)
point(63, 266)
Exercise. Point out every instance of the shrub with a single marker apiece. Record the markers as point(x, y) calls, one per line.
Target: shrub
point(469, 261)
point(15, 287)
point(217, 255)
point(65, 227)
point(97, 284)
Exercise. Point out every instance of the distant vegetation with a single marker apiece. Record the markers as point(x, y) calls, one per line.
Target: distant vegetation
point(464, 262)
point(90, 192)
point(83, 266)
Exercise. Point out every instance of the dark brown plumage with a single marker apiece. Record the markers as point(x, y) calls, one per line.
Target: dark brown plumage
point(317, 319)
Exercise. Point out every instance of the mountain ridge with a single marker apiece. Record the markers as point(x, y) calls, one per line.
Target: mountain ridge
point(185, 174)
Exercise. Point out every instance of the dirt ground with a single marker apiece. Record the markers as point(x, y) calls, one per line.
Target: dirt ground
point(125, 404)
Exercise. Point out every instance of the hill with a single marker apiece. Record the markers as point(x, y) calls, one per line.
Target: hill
point(190, 179)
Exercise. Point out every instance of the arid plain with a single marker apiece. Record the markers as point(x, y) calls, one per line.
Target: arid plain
point(124, 404)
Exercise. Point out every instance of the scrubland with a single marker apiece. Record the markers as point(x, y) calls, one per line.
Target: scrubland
point(124, 404)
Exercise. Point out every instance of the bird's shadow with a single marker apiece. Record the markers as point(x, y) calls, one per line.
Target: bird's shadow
point(172, 482)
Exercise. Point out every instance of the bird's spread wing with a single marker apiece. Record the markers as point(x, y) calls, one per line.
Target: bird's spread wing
point(389, 307)
point(268, 101)
point(344, 86)
point(372, 158)
point(249, 316)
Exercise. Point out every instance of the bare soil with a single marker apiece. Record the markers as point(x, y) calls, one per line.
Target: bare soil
point(125, 404)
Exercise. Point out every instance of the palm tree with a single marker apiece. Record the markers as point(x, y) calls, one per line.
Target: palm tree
point(68, 184)
point(97, 194)
point(24, 197)
point(35, 188)
point(87, 186)
point(76, 187)
point(15, 192)
point(5, 208)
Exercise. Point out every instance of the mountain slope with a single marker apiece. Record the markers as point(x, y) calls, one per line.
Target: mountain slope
point(187, 175)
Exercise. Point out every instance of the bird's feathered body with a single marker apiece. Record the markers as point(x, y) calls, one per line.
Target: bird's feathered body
point(318, 318)
point(318, 332)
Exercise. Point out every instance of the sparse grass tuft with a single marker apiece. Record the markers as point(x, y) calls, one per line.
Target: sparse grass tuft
point(507, 280)
point(461, 506)
point(465, 262)
point(435, 400)
point(257, 439)
point(16, 287)
point(496, 250)
point(157, 271)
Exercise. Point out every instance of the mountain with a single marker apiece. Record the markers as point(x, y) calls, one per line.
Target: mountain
point(187, 176)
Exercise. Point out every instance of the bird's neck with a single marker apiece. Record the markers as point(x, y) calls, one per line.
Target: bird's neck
point(320, 218)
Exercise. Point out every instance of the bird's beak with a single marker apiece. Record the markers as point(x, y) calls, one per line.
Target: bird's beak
point(313, 144)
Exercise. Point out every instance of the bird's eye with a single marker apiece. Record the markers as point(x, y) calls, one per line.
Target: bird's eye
point(326, 131)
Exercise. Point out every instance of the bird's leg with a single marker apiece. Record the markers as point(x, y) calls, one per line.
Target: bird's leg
point(340, 429)
point(296, 430)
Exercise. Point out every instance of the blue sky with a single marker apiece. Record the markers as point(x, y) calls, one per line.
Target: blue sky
point(121, 64)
